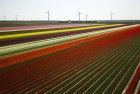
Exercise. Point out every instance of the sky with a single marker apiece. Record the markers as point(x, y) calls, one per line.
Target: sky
point(68, 9)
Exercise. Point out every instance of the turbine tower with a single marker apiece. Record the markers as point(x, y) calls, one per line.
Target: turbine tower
point(112, 16)
point(48, 13)
point(4, 18)
point(86, 17)
point(79, 14)
point(16, 17)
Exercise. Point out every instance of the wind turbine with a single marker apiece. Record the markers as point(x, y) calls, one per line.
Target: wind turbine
point(48, 15)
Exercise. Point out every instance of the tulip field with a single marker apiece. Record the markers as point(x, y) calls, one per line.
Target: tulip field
point(70, 59)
